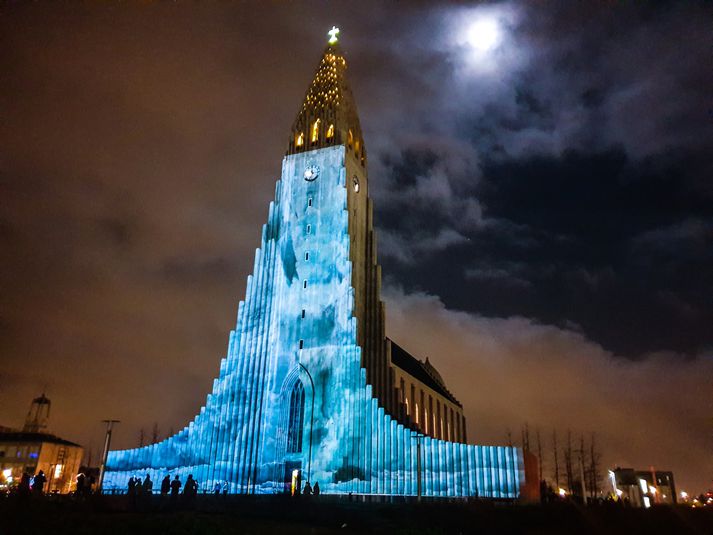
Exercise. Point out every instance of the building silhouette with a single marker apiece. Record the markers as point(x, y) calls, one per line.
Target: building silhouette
point(311, 389)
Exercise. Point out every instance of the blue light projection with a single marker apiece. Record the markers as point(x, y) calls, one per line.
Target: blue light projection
point(291, 394)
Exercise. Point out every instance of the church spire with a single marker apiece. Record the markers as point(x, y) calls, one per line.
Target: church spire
point(328, 115)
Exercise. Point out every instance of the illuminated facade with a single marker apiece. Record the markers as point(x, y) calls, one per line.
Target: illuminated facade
point(33, 448)
point(310, 386)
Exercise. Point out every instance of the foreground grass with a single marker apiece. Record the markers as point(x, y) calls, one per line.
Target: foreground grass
point(258, 515)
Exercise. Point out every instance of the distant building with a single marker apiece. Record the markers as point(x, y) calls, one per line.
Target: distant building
point(643, 488)
point(33, 449)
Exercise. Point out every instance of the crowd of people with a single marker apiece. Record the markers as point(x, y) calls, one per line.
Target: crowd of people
point(32, 485)
point(309, 490)
point(137, 489)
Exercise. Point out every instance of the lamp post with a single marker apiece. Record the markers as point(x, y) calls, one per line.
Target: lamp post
point(105, 455)
point(418, 437)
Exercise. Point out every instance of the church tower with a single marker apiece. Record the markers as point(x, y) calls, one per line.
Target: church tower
point(310, 388)
point(328, 118)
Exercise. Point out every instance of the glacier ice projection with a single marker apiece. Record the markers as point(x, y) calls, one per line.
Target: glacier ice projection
point(292, 396)
point(278, 407)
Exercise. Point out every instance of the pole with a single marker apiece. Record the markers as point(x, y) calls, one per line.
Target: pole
point(418, 467)
point(105, 455)
point(418, 437)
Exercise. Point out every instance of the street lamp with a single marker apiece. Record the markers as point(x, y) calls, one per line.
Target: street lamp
point(418, 437)
point(105, 455)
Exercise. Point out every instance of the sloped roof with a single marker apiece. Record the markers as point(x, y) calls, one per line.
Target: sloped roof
point(328, 100)
point(414, 367)
point(20, 436)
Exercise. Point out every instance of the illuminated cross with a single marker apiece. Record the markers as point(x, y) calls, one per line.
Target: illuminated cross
point(333, 35)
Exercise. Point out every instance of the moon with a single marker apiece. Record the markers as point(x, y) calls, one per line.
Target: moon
point(483, 34)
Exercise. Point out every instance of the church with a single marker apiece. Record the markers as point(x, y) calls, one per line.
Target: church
point(311, 389)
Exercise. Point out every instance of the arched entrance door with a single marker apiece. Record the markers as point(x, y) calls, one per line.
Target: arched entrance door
point(295, 434)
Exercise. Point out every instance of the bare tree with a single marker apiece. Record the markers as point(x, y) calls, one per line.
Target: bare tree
point(594, 457)
point(142, 438)
point(582, 462)
point(155, 434)
point(556, 460)
point(540, 460)
point(568, 462)
point(525, 432)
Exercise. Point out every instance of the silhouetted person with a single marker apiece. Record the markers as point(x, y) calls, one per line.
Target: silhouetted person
point(307, 490)
point(175, 487)
point(131, 491)
point(24, 488)
point(166, 485)
point(226, 487)
point(80, 484)
point(315, 490)
point(38, 483)
point(216, 488)
point(190, 489)
point(148, 485)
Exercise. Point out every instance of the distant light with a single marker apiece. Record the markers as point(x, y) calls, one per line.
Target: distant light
point(684, 495)
point(484, 34)
point(7, 472)
point(58, 470)
point(333, 35)
point(647, 502)
point(562, 492)
point(644, 486)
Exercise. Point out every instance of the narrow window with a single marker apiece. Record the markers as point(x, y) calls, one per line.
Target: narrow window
point(416, 413)
point(309, 229)
point(304, 284)
point(330, 131)
point(306, 256)
point(300, 139)
point(303, 313)
point(309, 201)
point(302, 343)
point(315, 131)
point(350, 138)
point(407, 411)
point(296, 418)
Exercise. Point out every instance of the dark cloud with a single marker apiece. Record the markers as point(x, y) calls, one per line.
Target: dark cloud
point(560, 183)
point(514, 370)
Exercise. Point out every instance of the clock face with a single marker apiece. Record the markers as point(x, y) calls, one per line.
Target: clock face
point(311, 173)
point(355, 183)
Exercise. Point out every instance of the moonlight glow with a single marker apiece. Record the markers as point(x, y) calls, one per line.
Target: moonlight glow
point(484, 34)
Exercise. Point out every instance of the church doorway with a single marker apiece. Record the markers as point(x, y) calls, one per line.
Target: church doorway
point(293, 477)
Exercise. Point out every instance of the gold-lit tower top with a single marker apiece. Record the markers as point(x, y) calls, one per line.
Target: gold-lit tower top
point(328, 116)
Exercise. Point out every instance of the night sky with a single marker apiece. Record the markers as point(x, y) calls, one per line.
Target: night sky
point(544, 207)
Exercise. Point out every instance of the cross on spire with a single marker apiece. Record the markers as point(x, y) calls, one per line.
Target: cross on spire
point(333, 35)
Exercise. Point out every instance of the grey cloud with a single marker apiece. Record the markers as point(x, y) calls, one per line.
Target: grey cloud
point(513, 370)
